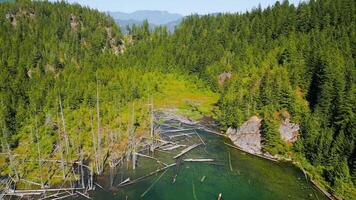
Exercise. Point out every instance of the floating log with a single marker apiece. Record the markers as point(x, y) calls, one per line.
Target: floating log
point(181, 135)
point(202, 179)
point(220, 196)
point(198, 160)
point(186, 150)
point(175, 131)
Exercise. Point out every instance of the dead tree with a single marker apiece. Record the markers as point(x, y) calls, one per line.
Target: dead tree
point(39, 152)
point(151, 124)
point(94, 142)
point(61, 151)
point(6, 145)
point(100, 163)
point(64, 131)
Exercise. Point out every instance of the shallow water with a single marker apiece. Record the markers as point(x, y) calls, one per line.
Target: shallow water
point(249, 177)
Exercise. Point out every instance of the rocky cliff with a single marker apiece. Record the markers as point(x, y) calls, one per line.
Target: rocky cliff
point(248, 136)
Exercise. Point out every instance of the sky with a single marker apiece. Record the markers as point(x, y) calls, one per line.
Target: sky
point(184, 7)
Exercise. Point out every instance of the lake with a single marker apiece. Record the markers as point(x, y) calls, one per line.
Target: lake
point(233, 174)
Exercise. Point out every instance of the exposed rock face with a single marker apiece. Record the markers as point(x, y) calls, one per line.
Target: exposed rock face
point(223, 77)
point(248, 137)
point(289, 131)
point(73, 22)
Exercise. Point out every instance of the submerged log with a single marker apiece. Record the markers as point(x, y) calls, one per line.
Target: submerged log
point(202, 179)
point(148, 175)
point(187, 150)
point(148, 189)
point(198, 160)
point(173, 147)
point(125, 181)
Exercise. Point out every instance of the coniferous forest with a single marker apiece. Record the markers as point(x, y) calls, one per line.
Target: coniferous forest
point(67, 72)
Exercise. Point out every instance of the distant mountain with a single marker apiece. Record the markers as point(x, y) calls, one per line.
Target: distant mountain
point(154, 18)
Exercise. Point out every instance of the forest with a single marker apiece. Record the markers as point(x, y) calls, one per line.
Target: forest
point(67, 71)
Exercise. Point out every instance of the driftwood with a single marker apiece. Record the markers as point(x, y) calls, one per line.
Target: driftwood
point(181, 135)
point(173, 147)
point(186, 150)
point(153, 158)
point(148, 175)
point(175, 131)
point(64, 197)
point(198, 160)
point(202, 179)
point(202, 141)
point(125, 181)
point(53, 195)
point(86, 196)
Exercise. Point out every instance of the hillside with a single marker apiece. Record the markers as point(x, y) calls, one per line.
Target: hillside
point(63, 78)
point(283, 59)
point(69, 77)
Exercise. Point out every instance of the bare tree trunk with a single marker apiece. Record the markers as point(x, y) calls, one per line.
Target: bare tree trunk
point(151, 123)
point(61, 151)
point(64, 131)
point(6, 145)
point(39, 152)
point(94, 143)
point(99, 167)
point(81, 168)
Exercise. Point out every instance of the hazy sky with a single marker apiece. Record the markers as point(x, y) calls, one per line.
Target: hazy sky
point(184, 7)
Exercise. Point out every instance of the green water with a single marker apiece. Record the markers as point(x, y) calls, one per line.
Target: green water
point(248, 178)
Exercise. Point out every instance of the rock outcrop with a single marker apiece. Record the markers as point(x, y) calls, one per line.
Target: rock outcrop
point(289, 131)
point(248, 136)
point(223, 76)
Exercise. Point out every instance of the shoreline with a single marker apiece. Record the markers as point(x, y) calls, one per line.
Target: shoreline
point(315, 183)
point(205, 127)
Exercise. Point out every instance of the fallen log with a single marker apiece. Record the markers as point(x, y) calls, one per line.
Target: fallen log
point(86, 196)
point(64, 197)
point(198, 160)
point(186, 150)
point(175, 131)
point(181, 135)
point(173, 147)
point(150, 157)
point(148, 175)
point(202, 141)
point(125, 181)
point(202, 179)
